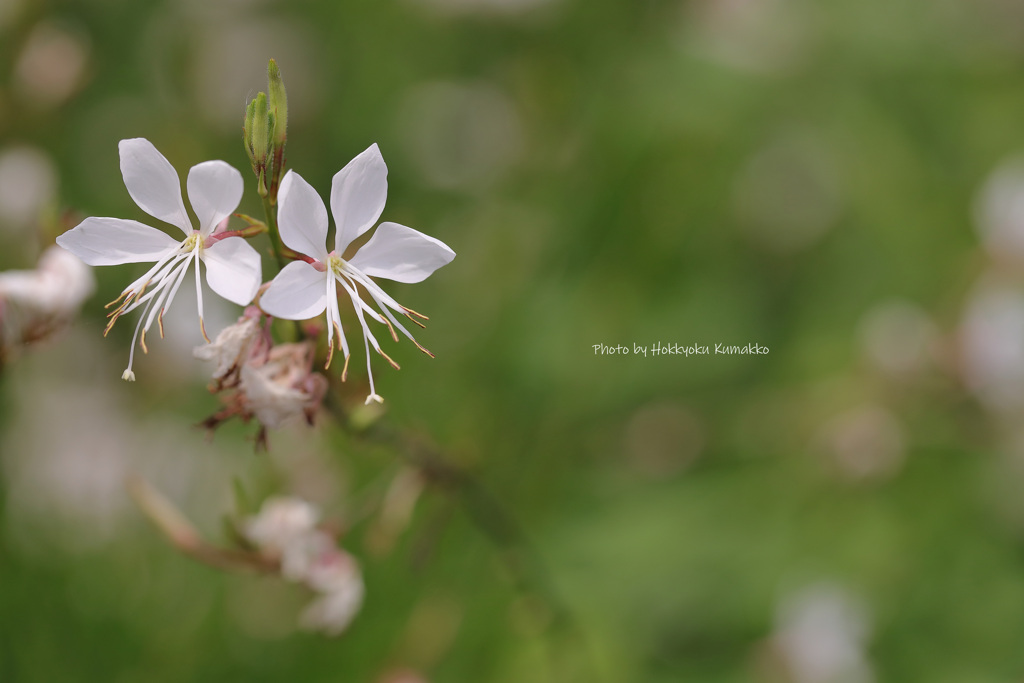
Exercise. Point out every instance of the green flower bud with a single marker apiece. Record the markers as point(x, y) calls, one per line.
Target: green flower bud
point(278, 101)
point(259, 139)
point(250, 117)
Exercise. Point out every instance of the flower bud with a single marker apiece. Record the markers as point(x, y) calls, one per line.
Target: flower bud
point(258, 138)
point(250, 119)
point(278, 102)
point(260, 130)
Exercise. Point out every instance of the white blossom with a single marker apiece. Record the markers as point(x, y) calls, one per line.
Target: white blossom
point(822, 632)
point(214, 188)
point(285, 528)
point(305, 289)
point(36, 303)
point(333, 611)
point(280, 521)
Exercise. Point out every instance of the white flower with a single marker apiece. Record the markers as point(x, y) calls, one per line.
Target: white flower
point(58, 285)
point(214, 188)
point(334, 610)
point(822, 633)
point(280, 522)
point(285, 529)
point(305, 289)
point(304, 553)
point(36, 303)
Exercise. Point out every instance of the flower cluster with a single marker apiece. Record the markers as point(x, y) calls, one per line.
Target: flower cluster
point(305, 288)
point(35, 304)
point(285, 530)
point(273, 381)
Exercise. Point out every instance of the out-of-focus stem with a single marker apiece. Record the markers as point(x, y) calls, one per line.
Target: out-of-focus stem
point(518, 555)
point(183, 536)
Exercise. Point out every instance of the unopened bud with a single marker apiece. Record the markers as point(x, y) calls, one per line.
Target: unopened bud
point(259, 136)
point(250, 119)
point(278, 101)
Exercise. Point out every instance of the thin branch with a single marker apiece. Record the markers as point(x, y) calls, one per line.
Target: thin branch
point(180, 532)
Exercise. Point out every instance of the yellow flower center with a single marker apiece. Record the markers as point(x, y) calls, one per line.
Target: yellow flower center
point(192, 242)
point(335, 264)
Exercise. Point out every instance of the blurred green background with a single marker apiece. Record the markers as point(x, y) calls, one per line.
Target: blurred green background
point(834, 181)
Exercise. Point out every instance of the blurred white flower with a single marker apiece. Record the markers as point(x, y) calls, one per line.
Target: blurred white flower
point(302, 552)
point(304, 289)
point(285, 528)
point(756, 36)
point(991, 339)
point(232, 266)
point(52, 65)
point(55, 484)
point(334, 610)
point(999, 211)
point(280, 521)
point(864, 443)
point(65, 478)
point(898, 337)
point(34, 304)
point(821, 633)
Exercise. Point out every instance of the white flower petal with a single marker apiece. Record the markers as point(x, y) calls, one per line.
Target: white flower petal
point(358, 193)
point(302, 217)
point(233, 269)
point(298, 292)
point(280, 520)
point(334, 610)
point(152, 182)
point(401, 254)
point(215, 189)
point(113, 241)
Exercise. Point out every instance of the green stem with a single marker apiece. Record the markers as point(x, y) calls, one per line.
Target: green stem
point(275, 236)
point(270, 211)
